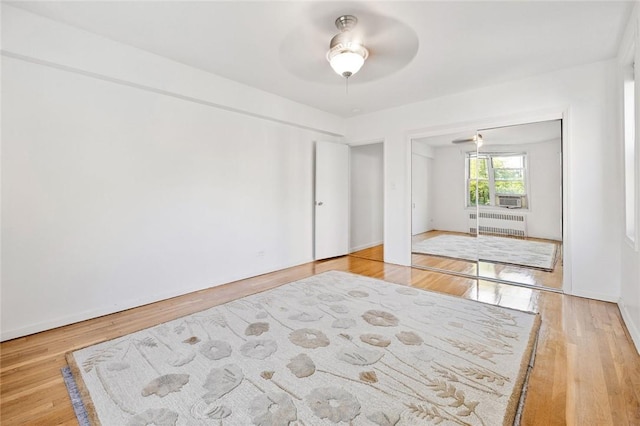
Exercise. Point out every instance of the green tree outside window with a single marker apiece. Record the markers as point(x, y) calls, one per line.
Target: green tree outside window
point(494, 174)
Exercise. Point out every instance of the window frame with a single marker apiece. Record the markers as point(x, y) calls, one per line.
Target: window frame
point(489, 156)
point(630, 166)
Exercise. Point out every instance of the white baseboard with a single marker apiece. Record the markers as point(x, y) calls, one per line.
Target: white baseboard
point(131, 303)
point(365, 246)
point(422, 232)
point(595, 295)
point(633, 328)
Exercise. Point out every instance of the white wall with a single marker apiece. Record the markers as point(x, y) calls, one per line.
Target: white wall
point(588, 95)
point(117, 192)
point(448, 206)
point(629, 302)
point(421, 193)
point(367, 202)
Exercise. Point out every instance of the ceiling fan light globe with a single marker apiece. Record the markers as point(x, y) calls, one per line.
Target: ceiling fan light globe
point(346, 63)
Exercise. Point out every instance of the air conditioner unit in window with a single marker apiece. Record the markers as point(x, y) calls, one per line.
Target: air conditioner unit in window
point(510, 201)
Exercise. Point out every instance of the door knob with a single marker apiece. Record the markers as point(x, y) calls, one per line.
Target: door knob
point(319, 203)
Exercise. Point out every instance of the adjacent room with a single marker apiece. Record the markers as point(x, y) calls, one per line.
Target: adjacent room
point(315, 213)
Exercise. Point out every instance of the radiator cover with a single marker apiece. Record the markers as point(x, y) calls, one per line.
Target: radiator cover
point(495, 223)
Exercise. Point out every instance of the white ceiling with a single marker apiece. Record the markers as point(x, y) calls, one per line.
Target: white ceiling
point(542, 131)
point(279, 46)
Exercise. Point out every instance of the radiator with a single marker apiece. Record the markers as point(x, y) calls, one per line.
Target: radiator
point(508, 224)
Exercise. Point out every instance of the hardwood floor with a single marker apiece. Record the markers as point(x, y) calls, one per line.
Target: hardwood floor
point(371, 253)
point(587, 371)
point(492, 270)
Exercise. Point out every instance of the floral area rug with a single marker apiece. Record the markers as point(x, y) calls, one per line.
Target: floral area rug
point(334, 348)
point(535, 254)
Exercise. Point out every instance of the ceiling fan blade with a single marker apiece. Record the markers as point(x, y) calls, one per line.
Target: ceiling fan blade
point(477, 138)
point(466, 140)
point(391, 43)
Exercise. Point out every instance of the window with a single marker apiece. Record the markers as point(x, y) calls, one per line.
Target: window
point(491, 175)
point(478, 172)
point(629, 155)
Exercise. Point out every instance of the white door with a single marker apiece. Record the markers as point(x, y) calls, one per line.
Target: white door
point(332, 200)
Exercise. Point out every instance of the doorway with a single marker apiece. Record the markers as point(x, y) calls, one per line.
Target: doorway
point(367, 201)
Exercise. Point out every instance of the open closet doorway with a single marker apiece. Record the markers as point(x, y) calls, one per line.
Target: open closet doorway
point(367, 201)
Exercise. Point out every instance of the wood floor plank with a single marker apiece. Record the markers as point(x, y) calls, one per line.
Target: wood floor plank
point(587, 371)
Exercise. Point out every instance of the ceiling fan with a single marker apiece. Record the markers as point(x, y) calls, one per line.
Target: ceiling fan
point(339, 40)
point(347, 53)
point(477, 139)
